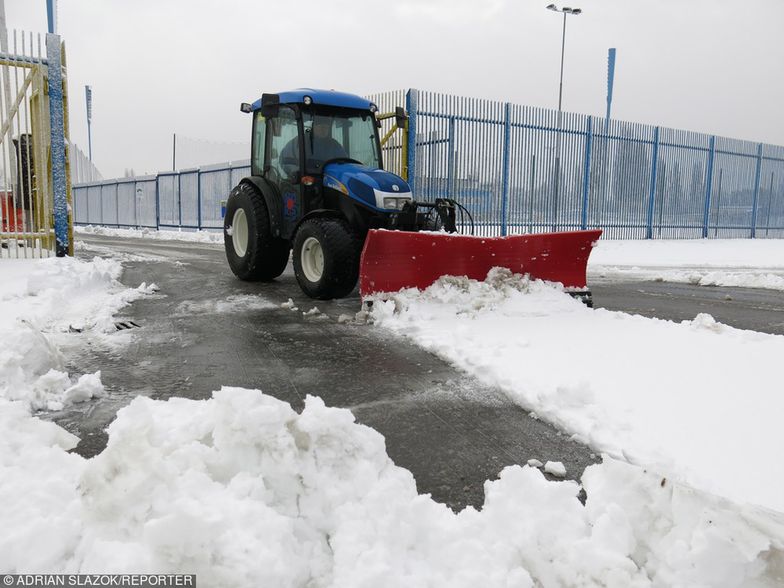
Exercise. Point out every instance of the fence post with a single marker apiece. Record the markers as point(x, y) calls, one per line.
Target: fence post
point(179, 202)
point(652, 192)
point(708, 187)
point(718, 205)
point(136, 207)
point(756, 192)
point(587, 173)
point(770, 200)
point(157, 202)
point(57, 130)
point(198, 198)
point(450, 174)
point(412, 99)
point(505, 178)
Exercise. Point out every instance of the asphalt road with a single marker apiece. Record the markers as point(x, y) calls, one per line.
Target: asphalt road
point(452, 432)
point(744, 308)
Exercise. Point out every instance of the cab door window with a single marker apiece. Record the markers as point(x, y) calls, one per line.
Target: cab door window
point(284, 148)
point(258, 143)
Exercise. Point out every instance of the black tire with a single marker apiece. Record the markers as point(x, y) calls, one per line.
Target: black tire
point(263, 257)
point(340, 249)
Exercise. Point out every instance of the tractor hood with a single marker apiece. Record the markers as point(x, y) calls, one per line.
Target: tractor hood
point(375, 188)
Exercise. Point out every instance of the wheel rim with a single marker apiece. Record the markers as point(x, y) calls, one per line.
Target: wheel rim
point(239, 232)
point(312, 259)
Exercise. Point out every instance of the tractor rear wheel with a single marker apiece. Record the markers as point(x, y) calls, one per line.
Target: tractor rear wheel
point(326, 258)
point(253, 253)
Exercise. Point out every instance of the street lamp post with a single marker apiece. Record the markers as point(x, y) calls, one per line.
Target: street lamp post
point(557, 172)
point(566, 11)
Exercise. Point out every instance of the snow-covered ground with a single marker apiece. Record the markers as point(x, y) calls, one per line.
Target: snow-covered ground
point(243, 491)
point(49, 302)
point(162, 235)
point(749, 263)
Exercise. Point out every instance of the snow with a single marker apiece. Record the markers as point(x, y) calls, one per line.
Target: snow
point(215, 237)
point(702, 253)
point(289, 304)
point(243, 491)
point(555, 468)
point(698, 401)
point(235, 303)
point(43, 303)
point(749, 263)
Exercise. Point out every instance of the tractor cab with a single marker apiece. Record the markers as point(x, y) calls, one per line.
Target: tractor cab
point(320, 151)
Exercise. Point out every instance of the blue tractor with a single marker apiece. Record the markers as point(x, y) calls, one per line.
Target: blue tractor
point(317, 186)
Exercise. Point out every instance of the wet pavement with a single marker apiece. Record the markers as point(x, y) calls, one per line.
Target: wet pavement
point(449, 430)
point(755, 309)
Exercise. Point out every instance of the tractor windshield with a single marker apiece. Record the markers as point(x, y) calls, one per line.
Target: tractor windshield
point(339, 134)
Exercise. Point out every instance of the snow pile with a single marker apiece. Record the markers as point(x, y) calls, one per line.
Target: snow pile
point(42, 301)
point(243, 491)
point(749, 263)
point(160, 235)
point(699, 401)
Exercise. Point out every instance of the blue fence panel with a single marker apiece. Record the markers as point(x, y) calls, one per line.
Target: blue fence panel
point(770, 208)
point(127, 207)
point(734, 187)
point(169, 199)
point(448, 162)
point(146, 195)
point(94, 207)
point(620, 183)
point(79, 194)
point(109, 204)
point(683, 171)
point(189, 198)
point(215, 185)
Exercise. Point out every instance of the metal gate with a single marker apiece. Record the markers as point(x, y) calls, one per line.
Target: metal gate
point(34, 180)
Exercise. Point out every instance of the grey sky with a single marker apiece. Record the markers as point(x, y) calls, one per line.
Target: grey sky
point(163, 66)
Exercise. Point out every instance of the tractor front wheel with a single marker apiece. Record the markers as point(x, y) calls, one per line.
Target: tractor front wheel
point(253, 253)
point(326, 258)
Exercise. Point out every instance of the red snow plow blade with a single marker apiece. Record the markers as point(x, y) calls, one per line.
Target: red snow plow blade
point(393, 260)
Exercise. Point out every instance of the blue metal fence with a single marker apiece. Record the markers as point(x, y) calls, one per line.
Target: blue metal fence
point(524, 169)
point(187, 199)
point(519, 169)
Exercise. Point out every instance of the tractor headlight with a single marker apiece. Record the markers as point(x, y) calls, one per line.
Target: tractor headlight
point(395, 203)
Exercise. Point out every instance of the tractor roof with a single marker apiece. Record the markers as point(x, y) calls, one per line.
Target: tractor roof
point(322, 97)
